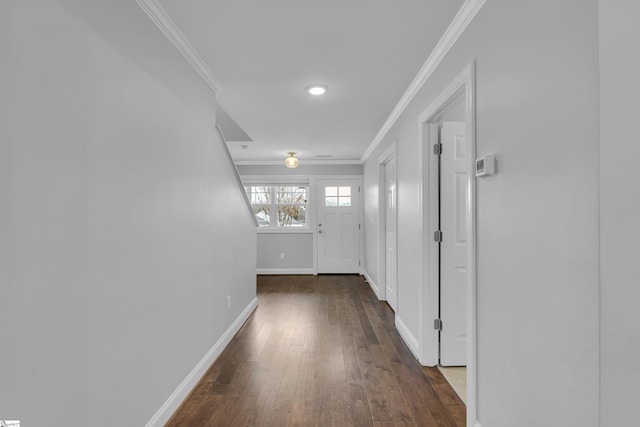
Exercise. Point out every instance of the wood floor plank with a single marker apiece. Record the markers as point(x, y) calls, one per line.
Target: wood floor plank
point(197, 413)
point(319, 351)
point(455, 406)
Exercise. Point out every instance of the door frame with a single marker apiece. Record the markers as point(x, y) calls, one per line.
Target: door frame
point(462, 85)
point(316, 203)
point(381, 288)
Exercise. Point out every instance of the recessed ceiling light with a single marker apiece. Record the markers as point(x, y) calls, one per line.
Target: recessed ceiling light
point(317, 89)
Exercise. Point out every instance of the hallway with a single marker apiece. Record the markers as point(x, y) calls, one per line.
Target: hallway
point(319, 350)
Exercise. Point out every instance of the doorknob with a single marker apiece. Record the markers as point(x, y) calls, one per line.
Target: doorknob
point(319, 231)
point(320, 225)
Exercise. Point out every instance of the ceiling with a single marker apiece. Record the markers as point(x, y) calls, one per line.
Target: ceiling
point(265, 54)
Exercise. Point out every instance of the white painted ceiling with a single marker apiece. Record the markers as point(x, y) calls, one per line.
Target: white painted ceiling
point(266, 52)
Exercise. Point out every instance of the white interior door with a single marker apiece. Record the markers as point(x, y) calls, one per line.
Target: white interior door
point(338, 226)
point(454, 268)
point(391, 257)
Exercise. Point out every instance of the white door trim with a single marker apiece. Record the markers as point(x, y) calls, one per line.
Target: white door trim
point(462, 85)
point(389, 154)
point(313, 220)
point(316, 200)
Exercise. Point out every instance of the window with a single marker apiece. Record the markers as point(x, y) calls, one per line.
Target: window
point(337, 196)
point(279, 206)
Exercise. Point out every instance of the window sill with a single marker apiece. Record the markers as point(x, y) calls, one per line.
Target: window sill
point(265, 230)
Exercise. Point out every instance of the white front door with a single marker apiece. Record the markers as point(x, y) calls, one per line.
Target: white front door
point(338, 226)
point(454, 267)
point(391, 258)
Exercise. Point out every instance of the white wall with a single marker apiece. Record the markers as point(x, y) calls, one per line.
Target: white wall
point(123, 229)
point(619, 208)
point(537, 219)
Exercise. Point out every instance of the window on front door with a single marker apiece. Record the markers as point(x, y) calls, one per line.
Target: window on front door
point(337, 196)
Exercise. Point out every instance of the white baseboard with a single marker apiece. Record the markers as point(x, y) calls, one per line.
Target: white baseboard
point(173, 402)
point(409, 339)
point(285, 271)
point(373, 285)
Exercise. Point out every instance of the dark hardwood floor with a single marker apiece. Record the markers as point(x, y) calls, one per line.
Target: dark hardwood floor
point(319, 351)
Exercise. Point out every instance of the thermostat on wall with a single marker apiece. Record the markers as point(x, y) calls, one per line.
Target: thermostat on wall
point(485, 165)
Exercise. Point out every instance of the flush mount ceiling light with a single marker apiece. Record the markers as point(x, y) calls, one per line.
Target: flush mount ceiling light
point(291, 161)
point(317, 89)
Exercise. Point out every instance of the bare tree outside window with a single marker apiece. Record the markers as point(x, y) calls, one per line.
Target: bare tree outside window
point(291, 203)
point(260, 198)
point(286, 204)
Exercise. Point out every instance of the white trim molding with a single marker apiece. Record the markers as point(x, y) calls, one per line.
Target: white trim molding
point(303, 162)
point(459, 23)
point(169, 28)
point(276, 179)
point(409, 339)
point(285, 230)
point(388, 155)
point(173, 402)
point(461, 87)
point(285, 271)
point(476, 424)
point(371, 283)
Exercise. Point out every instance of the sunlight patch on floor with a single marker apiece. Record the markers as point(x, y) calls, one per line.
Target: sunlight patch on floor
point(457, 377)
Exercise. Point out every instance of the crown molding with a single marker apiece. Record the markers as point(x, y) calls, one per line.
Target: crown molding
point(463, 18)
point(302, 162)
point(169, 28)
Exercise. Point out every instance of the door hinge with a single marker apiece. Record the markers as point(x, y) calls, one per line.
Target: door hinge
point(437, 236)
point(358, 189)
point(358, 226)
point(437, 324)
point(437, 149)
point(358, 263)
